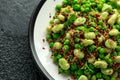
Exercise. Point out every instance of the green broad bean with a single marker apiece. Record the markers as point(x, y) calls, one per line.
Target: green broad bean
point(83, 77)
point(56, 21)
point(63, 63)
point(79, 54)
point(100, 64)
point(117, 59)
point(106, 8)
point(81, 28)
point(118, 19)
point(91, 60)
point(112, 19)
point(100, 79)
point(87, 42)
point(49, 29)
point(80, 21)
point(101, 38)
point(57, 28)
point(68, 36)
point(107, 71)
point(93, 77)
point(114, 32)
point(90, 35)
point(104, 15)
point(61, 17)
point(110, 44)
point(66, 10)
point(115, 74)
point(57, 45)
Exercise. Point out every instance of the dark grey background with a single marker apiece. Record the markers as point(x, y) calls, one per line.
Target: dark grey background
point(16, 61)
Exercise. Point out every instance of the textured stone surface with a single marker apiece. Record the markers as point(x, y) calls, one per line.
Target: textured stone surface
point(15, 56)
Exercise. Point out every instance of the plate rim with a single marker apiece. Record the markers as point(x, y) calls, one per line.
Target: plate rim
point(31, 40)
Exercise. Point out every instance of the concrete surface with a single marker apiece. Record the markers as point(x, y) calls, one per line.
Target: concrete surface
point(15, 55)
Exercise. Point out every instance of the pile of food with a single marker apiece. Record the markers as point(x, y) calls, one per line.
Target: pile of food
point(84, 37)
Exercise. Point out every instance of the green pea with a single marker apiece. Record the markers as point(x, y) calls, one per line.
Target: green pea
point(56, 35)
point(62, 32)
point(118, 53)
point(76, 7)
point(81, 47)
point(51, 44)
point(87, 9)
point(99, 7)
point(104, 1)
point(91, 48)
point(48, 36)
point(100, 22)
point(76, 40)
point(65, 2)
point(86, 72)
point(118, 71)
point(51, 22)
point(100, 27)
point(101, 56)
point(98, 75)
point(96, 32)
point(67, 71)
point(109, 60)
point(77, 46)
point(75, 1)
point(73, 66)
point(55, 53)
point(80, 72)
point(113, 78)
point(91, 29)
point(91, 0)
point(55, 59)
point(93, 4)
point(67, 42)
point(60, 70)
point(94, 19)
point(58, 7)
point(91, 66)
point(104, 76)
point(118, 49)
point(58, 56)
point(101, 50)
point(66, 47)
point(117, 27)
point(105, 28)
point(84, 2)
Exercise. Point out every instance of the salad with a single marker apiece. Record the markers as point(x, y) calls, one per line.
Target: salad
point(84, 37)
